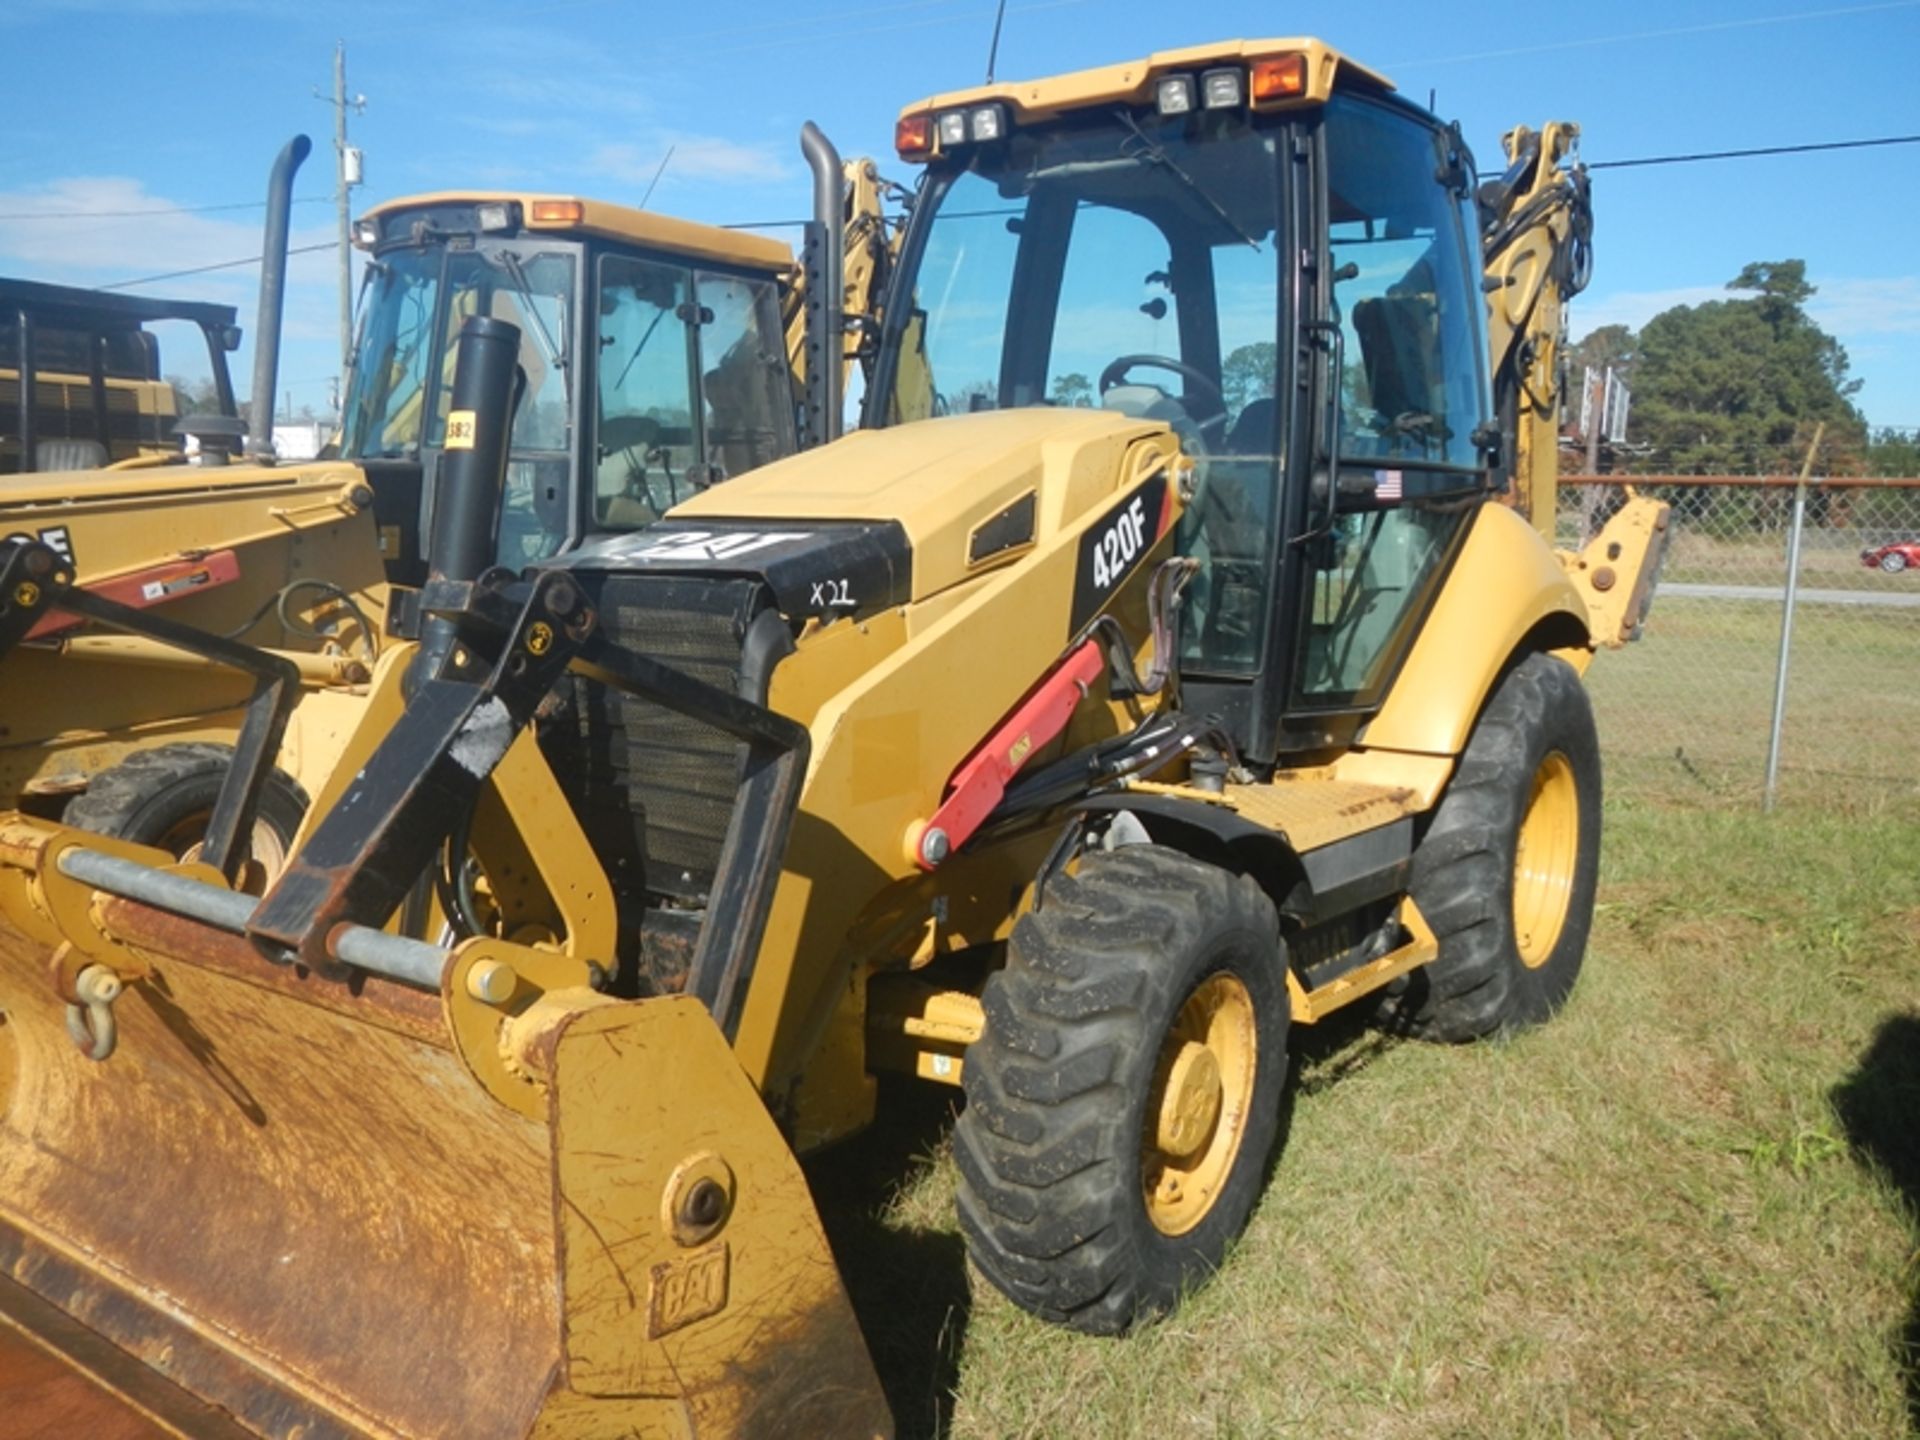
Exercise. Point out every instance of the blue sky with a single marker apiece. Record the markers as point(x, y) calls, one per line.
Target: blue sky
point(146, 104)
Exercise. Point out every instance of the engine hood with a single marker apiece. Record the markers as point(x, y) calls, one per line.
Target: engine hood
point(927, 505)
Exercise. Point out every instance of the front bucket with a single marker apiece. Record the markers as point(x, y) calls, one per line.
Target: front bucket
point(295, 1200)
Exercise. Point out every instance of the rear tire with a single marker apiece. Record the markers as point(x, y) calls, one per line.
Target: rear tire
point(164, 797)
point(1506, 872)
point(1124, 1097)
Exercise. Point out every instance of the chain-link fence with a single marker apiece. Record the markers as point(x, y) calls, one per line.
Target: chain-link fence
point(1692, 706)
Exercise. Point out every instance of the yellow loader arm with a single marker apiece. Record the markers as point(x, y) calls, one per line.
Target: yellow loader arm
point(1536, 233)
point(869, 246)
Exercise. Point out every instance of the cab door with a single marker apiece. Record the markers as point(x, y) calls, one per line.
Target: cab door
point(1399, 470)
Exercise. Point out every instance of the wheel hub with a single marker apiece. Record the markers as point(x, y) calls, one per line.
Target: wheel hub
point(1197, 1114)
point(1192, 1101)
point(1545, 854)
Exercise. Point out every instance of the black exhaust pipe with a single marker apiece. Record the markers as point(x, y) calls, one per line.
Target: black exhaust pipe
point(824, 266)
point(273, 297)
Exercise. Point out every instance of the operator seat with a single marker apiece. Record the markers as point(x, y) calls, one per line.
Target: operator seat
point(1256, 431)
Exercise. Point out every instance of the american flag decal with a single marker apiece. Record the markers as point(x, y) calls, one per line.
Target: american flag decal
point(1386, 485)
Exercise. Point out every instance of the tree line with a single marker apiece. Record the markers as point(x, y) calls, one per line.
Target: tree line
point(1737, 386)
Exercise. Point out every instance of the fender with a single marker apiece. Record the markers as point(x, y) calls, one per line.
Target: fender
point(1506, 594)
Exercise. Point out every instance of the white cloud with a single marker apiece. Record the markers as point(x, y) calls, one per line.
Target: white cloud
point(1633, 308)
point(1845, 307)
point(1889, 306)
point(101, 230)
point(95, 230)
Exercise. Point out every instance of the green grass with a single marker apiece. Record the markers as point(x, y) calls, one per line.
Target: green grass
point(1829, 560)
point(1687, 1207)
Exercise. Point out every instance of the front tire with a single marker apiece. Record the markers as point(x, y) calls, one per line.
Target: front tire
point(1506, 872)
point(1124, 1097)
point(164, 797)
point(1893, 562)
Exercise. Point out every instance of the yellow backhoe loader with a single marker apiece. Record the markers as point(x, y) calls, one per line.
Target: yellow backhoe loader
point(1176, 657)
point(697, 369)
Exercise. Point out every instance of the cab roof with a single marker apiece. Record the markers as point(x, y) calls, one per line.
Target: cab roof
point(615, 222)
point(1132, 82)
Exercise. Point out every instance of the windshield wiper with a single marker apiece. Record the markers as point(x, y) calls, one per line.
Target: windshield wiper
point(554, 357)
point(1160, 157)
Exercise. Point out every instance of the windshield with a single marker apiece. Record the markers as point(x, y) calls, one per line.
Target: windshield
point(415, 303)
point(1045, 264)
point(1128, 264)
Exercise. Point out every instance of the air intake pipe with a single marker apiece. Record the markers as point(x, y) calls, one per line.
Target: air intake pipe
point(824, 262)
point(273, 297)
point(472, 473)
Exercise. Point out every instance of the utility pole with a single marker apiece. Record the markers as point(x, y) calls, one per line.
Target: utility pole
point(347, 173)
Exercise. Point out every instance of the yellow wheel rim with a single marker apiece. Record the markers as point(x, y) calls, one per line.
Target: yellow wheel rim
point(268, 853)
point(1544, 860)
point(1198, 1108)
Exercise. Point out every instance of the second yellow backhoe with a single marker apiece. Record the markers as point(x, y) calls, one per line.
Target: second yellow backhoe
point(695, 367)
point(1176, 657)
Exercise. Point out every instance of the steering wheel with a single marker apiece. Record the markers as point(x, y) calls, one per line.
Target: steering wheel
point(1209, 432)
point(1198, 385)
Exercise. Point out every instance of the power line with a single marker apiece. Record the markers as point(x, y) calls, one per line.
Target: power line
point(222, 265)
point(161, 210)
point(1744, 154)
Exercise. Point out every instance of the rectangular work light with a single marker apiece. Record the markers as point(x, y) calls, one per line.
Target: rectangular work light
point(1220, 89)
point(1174, 95)
point(987, 122)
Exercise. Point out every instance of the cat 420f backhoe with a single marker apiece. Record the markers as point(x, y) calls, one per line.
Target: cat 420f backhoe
point(1178, 655)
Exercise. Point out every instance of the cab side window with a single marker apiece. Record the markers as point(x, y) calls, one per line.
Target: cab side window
point(646, 443)
point(745, 389)
point(1410, 390)
point(1411, 394)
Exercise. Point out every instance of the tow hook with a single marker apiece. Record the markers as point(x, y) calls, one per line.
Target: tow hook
point(90, 1017)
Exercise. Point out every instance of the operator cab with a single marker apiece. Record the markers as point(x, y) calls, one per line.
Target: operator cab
point(1261, 246)
point(653, 360)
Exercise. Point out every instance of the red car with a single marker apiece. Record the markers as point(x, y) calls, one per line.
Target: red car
point(1895, 557)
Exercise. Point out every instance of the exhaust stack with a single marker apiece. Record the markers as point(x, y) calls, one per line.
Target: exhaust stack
point(273, 297)
point(825, 277)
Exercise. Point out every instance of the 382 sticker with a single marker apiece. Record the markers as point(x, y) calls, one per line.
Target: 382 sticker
point(1114, 546)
